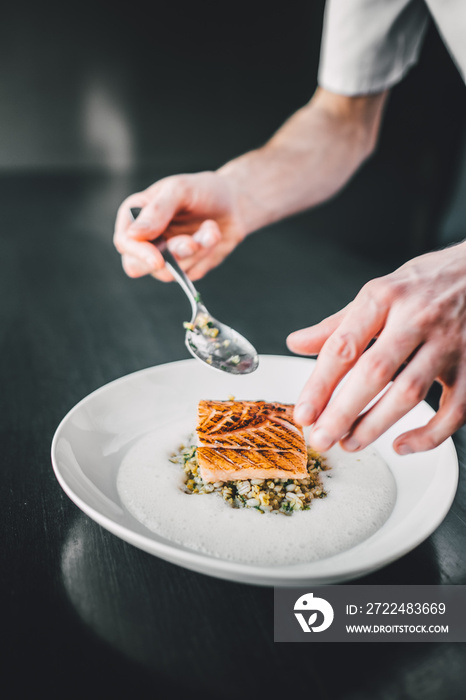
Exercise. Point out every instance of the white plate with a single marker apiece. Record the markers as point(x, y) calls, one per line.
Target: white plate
point(92, 439)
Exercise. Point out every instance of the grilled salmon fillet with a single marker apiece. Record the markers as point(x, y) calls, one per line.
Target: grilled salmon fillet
point(249, 439)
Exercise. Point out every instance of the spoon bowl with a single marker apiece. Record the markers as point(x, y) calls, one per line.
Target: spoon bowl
point(218, 345)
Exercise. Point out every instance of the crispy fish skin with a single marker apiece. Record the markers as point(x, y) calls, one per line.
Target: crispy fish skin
point(257, 425)
point(230, 465)
point(249, 439)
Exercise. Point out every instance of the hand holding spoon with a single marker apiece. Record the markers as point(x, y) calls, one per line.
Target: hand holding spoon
point(210, 341)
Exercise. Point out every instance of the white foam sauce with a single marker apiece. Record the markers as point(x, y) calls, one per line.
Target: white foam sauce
point(361, 495)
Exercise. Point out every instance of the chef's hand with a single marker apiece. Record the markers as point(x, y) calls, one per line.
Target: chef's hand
point(418, 315)
point(196, 212)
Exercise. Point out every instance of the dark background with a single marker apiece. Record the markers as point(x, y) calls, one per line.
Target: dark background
point(164, 87)
point(96, 101)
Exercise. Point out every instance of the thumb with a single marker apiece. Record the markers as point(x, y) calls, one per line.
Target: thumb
point(156, 216)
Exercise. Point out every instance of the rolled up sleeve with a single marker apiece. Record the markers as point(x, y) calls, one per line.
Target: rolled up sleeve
point(369, 45)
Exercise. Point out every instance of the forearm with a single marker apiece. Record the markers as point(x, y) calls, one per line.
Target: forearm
point(307, 161)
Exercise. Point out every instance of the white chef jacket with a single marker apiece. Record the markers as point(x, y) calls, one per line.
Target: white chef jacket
point(369, 45)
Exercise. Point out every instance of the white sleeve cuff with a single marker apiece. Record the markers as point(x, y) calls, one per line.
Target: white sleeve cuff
point(369, 45)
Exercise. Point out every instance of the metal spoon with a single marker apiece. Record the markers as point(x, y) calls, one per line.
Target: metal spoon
point(210, 341)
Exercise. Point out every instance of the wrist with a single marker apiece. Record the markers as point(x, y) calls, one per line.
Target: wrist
point(250, 213)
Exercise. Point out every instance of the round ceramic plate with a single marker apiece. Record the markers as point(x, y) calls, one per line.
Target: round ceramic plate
point(93, 438)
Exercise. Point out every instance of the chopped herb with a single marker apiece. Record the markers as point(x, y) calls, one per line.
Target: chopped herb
point(287, 507)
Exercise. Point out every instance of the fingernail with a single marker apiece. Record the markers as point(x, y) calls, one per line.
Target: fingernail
point(304, 413)
point(403, 449)
point(351, 444)
point(320, 439)
point(182, 250)
point(204, 238)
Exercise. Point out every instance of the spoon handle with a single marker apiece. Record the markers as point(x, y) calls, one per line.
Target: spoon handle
point(172, 265)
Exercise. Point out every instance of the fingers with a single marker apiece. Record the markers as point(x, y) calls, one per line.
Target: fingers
point(309, 341)
point(162, 275)
point(196, 259)
point(134, 267)
point(159, 206)
point(166, 200)
point(207, 263)
point(182, 246)
point(208, 234)
point(132, 237)
point(373, 371)
point(418, 316)
point(409, 388)
point(449, 418)
point(124, 217)
point(339, 354)
point(204, 260)
point(138, 257)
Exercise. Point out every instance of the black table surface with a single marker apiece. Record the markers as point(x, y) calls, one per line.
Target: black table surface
point(86, 614)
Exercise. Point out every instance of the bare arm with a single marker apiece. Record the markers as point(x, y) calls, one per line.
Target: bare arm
point(308, 160)
point(207, 214)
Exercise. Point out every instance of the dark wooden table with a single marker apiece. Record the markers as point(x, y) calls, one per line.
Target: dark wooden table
point(85, 614)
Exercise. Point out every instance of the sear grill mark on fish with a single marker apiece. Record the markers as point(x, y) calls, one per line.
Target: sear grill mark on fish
point(255, 424)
